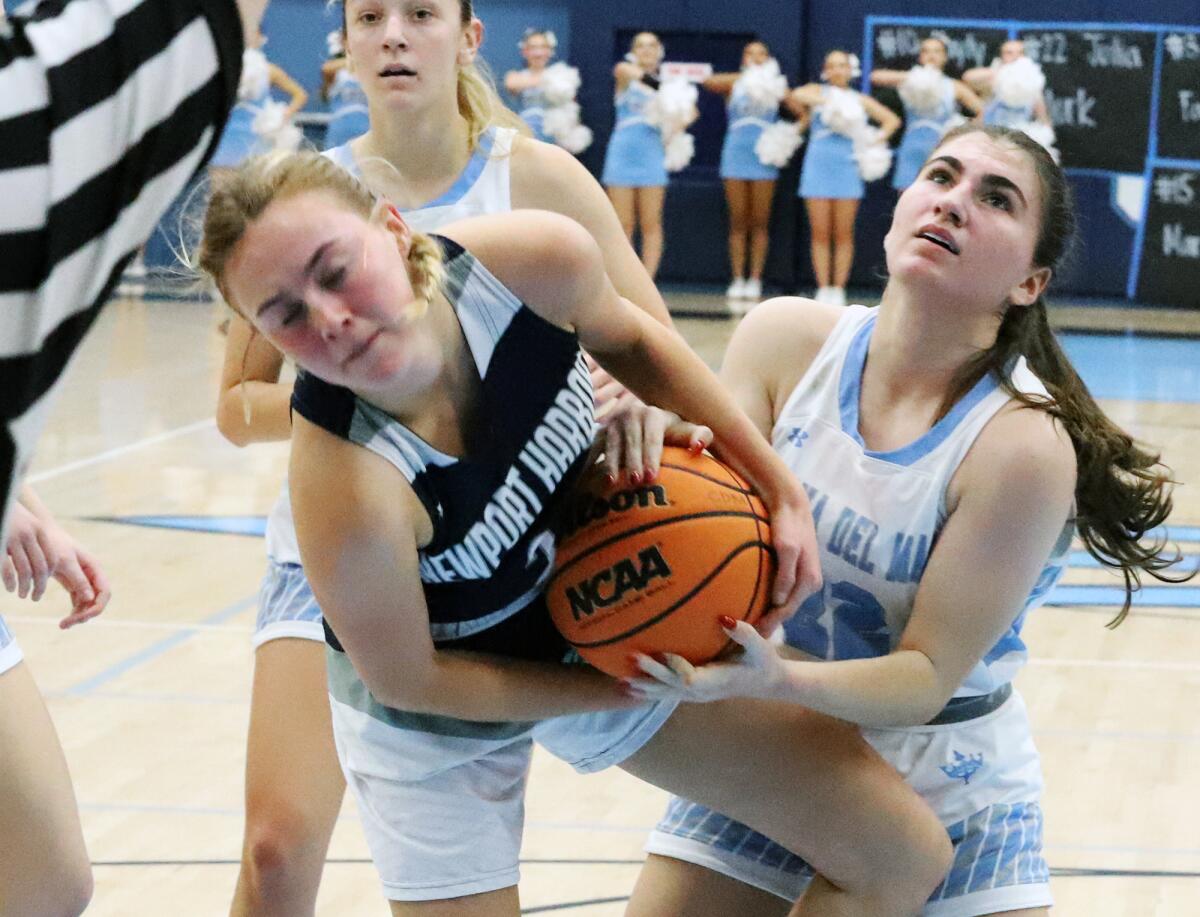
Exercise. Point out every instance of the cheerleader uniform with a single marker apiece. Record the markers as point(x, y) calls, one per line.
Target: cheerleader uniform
point(238, 140)
point(747, 121)
point(532, 102)
point(996, 112)
point(922, 131)
point(830, 170)
point(442, 799)
point(348, 105)
point(877, 516)
point(635, 157)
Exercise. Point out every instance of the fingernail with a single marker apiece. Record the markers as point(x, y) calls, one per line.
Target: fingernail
point(727, 622)
point(635, 478)
point(650, 475)
point(661, 658)
point(696, 448)
point(610, 479)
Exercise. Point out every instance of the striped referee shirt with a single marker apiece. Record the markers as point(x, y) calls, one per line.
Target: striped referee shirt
point(107, 109)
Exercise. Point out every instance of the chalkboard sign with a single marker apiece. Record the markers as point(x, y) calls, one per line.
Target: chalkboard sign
point(1170, 263)
point(1179, 97)
point(1098, 90)
point(895, 47)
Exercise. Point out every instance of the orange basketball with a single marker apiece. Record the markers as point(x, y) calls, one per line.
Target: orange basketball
point(650, 569)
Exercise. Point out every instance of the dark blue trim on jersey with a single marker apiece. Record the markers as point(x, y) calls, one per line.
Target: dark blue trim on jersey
point(850, 389)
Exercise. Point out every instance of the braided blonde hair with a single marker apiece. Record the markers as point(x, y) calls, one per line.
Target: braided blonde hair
point(239, 196)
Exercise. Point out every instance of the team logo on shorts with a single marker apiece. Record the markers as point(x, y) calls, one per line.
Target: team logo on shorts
point(964, 767)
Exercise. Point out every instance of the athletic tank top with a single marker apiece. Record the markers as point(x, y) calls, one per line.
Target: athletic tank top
point(492, 548)
point(482, 187)
point(878, 514)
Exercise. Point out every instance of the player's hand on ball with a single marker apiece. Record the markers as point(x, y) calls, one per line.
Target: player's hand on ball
point(634, 435)
point(798, 570)
point(756, 671)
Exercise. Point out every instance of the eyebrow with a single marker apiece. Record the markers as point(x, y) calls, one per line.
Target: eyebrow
point(990, 180)
point(279, 298)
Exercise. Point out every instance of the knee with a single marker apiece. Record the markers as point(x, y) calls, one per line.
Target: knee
point(277, 841)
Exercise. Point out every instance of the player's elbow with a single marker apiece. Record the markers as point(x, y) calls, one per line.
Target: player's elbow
point(231, 418)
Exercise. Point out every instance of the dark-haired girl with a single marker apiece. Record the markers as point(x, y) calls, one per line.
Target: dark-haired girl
point(950, 452)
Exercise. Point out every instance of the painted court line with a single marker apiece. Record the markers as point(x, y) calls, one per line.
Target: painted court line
point(119, 451)
point(105, 622)
point(156, 649)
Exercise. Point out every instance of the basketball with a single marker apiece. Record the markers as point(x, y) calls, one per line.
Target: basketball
point(649, 569)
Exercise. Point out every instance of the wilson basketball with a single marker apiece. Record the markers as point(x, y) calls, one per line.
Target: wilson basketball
point(649, 569)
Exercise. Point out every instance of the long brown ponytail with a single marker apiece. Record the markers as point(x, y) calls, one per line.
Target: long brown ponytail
point(1122, 490)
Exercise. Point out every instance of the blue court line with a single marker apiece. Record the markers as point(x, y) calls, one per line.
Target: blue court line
point(255, 526)
point(1152, 596)
point(1082, 560)
point(157, 649)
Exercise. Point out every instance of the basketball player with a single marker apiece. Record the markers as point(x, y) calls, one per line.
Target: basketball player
point(443, 411)
point(444, 147)
point(950, 452)
point(173, 64)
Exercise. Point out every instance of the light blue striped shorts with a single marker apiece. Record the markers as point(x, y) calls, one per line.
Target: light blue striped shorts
point(982, 777)
point(286, 606)
point(10, 651)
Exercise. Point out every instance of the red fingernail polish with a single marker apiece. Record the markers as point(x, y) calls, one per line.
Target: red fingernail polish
point(727, 622)
point(610, 479)
point(650, 475)
point(635, 478)
point(696, 448)
point(660, 658)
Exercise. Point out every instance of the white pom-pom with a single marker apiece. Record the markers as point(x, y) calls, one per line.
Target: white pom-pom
point(923, 91)
point(558, 120)
point(256, 75)
point(778, 143)
point(271, 117)
point(1043, 134)
point(576, 140)
point(843, 112)
point(559, 84)
point(288, 138)
point(333, 43)
point(1020, 83)
point(676, 104)
point(873, 155)
point(679, 151)
point(763, 84)
point(955, 120)
point(855, 66)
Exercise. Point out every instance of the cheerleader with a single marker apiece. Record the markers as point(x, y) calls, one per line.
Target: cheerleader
point(931, 101)
point(635, 172)
point(344, 93)
point(753, 96)
point(841, 147)
point(1011, 102)
point(256, 125)
point(537, 48)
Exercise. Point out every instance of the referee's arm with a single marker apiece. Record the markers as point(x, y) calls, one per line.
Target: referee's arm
point(107, 109)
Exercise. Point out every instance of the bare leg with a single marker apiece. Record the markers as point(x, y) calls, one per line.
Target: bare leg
point(44, 870)
point(737, 198)
point(820, 224)
point(623, 204)
point(294, 784)
point(501, 903)
point(761, 195)
point(650, 209)
point(672, 888)
point(844, 213)
point(815, 786)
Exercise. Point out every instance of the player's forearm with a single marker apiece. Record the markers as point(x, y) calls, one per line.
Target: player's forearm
point(258, 412)
point(900, 689)
point(488, 688)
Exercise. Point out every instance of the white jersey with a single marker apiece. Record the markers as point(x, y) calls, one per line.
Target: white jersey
point(878, 514)
point(482, 187)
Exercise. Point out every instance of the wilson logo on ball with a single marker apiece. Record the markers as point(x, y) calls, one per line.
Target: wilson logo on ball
point(592, 508)
point(626, 575)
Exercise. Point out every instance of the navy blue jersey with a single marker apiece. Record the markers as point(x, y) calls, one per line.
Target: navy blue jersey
point(492, 548)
